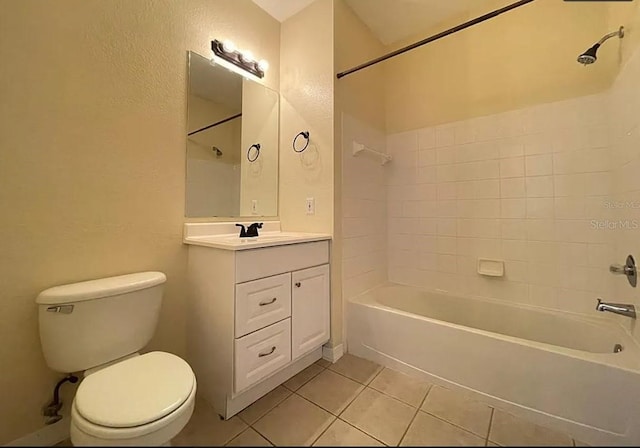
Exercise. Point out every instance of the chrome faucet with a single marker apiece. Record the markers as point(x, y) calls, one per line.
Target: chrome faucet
point(617, 308)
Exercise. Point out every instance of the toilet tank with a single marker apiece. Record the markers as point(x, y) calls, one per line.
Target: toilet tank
point(86, 324)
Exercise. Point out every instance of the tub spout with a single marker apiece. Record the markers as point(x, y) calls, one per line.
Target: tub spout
point(617, 308)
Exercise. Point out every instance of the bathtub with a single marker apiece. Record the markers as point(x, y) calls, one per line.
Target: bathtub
point(554, 368)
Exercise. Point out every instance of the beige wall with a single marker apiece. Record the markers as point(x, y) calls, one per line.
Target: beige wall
point(521, 58)
point(306, 89)
point(359, 100)
point(306, 104)
point(92, 157)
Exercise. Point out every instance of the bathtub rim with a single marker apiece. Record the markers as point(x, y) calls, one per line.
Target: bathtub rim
point(628, 359)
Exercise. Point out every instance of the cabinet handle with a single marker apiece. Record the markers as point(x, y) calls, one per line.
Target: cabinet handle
point(268, 303)
point(298, 284)
point(273, 349)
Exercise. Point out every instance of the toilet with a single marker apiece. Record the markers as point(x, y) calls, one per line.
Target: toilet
point(97, 327)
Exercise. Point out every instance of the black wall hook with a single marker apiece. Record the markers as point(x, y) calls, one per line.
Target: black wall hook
point(305, 135)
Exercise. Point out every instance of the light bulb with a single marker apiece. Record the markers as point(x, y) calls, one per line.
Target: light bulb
point(247, 56)
point(229, 46)
point(263, 65)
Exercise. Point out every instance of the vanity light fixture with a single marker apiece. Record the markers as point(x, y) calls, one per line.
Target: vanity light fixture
point(244, 60)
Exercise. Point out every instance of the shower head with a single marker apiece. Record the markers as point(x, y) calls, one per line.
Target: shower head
point(217, 151)
point(589, 56)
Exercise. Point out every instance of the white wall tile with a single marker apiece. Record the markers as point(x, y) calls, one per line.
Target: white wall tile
point(539, 165)
point(526, 186)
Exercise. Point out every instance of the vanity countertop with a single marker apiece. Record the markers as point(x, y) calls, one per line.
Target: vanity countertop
point(225, 235)
point(231, 241)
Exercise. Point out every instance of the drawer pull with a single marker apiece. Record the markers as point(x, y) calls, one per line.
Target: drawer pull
point(298, 284)
point(268, 303)
point(273, 349)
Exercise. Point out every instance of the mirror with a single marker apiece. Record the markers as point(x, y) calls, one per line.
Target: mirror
point(232, 143)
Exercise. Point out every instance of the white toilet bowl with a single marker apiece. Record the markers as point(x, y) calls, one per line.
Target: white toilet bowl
point(140, 401)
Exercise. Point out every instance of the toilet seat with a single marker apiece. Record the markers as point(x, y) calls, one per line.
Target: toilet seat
point(147, 399)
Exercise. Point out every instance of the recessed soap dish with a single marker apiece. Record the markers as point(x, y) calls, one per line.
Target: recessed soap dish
point(491, 268)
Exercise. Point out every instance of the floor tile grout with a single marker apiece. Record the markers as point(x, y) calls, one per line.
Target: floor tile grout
point(333, 417)
point(486, 442)
point(325, 430)
point(323, 369)
point(265, 437)
point(404, 434)
point(454, 424)
point(362, 431)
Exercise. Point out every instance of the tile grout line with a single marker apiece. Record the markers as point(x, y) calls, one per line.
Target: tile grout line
point(268, 410)
point(458, 426)
point(264, 436)
point(404, 434)
point(324, 430)
point(359, 382)
point(486, 442)
point(388, 396)
point(307, 381)
point(271, 409)
point(238, 435)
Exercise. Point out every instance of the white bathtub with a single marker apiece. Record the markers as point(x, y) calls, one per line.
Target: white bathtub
point(557, 369)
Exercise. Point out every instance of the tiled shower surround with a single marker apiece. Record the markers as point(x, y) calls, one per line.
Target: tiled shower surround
point(364, 209)
point(552, 189)
point(528, 187)
point(624, 114)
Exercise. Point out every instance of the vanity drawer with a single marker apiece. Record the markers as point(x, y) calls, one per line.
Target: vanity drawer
point(258, 263)
point(261, 353)
point(262, 302)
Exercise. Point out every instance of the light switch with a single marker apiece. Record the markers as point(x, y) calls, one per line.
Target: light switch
point(254, 206)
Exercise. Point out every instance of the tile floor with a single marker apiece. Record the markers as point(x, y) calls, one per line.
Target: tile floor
point(355, 402)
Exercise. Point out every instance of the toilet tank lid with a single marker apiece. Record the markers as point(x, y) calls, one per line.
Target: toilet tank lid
point(103, 287)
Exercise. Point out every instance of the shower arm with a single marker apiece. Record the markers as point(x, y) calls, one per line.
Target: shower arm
point(619, 33)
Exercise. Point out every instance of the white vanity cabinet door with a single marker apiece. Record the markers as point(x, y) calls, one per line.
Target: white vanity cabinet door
point(262, 302)
point(309, 309)
point(261, 353)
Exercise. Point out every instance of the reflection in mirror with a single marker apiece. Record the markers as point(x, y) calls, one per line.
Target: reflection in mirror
point(232, 144)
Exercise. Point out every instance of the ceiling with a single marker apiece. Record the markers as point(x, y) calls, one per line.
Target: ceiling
point(282, 9)
point(394, 20)
point(389, 20)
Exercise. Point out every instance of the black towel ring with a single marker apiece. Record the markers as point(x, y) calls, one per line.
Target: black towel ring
point(257, 146)
point(304, 134)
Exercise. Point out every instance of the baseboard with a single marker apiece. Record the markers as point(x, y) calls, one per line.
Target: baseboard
point(332, 354)
point(47, 436)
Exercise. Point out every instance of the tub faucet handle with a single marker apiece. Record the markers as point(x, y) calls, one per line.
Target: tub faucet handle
point(628, 269)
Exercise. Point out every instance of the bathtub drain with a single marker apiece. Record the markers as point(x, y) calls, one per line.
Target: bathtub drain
point(617, 348)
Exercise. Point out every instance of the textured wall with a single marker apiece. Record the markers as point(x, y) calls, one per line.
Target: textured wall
point(306, 88)
point(306, 104)
point(92, 157)
point(359, 115)
point(521, 58)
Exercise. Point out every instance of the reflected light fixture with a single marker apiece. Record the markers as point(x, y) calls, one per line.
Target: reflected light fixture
point(244, 60)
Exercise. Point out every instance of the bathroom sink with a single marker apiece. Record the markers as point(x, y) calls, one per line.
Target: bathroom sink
point(266, 239)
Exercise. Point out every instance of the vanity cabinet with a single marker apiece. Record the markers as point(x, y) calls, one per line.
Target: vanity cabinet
point(256, 318)
point(309, 309)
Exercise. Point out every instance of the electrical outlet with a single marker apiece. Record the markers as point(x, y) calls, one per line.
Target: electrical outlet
point(254, 206)
point(311, 206)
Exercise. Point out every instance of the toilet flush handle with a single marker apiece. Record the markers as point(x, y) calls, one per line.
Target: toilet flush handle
point(64, 309)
